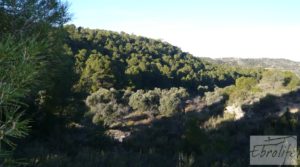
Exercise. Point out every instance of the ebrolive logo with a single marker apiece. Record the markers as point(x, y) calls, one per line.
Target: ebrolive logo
point(273, 150)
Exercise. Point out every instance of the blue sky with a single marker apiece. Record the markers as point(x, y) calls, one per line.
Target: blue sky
point(206, 28)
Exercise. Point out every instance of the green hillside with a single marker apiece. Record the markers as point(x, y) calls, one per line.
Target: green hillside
point(129, 61)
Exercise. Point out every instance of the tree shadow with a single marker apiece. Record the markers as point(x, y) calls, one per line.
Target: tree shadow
point(197, 138)
point(226, 143)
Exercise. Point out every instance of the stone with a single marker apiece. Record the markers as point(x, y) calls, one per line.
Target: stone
point(236, 111)
point(118, 134)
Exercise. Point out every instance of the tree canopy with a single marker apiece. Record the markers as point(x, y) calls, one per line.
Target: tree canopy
point(110, 59)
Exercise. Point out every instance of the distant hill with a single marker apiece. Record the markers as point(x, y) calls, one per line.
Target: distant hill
point(282, 64)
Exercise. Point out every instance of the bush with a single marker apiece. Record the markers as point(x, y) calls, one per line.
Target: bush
point(101, 96)
point(135, 100)
point(145, 101)
point(243, 90)
point(108, 113)
point(172, 101)
point(273, 79)
point(245, 83)
point(291, 81)
point(106, 106)
point(167, 101)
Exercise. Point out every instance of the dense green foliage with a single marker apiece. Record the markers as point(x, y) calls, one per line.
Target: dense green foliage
point(109, 59)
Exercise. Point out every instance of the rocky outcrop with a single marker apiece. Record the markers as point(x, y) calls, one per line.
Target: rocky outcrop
point(236, 111)
point(118, 134)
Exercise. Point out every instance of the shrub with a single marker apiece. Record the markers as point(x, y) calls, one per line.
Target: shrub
point(172, 101)
point(145, 101)
point(245, 83)
point(106, 106)
point(167, 101)
point(101, 96)
point(108, 113)
point(135, 100)
point(243, 90)
point(272, 79)
point(291, 81)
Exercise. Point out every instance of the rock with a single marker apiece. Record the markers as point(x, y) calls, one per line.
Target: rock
point(294, 110)
point(118, 134)
point(236, 111)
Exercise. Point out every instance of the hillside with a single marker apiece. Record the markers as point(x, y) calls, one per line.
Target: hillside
point(148, 99)
point(140, 63)
point(282, 64)
point(126, 100)
point(79, 97)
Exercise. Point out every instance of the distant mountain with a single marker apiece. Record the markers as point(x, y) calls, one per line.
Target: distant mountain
point(283, 64)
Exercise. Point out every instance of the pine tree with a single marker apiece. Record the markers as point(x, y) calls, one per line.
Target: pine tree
point(29, 36)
